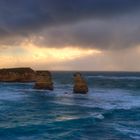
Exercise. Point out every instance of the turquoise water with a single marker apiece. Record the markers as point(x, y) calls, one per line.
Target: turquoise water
point(110, 111)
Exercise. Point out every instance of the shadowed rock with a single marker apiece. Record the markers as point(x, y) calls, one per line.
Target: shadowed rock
point(17, 75)
point(43, 80)
point(80, 85)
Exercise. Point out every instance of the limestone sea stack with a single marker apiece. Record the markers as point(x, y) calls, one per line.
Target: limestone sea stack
point(17, 75)
point(80, 85)
point(43, 80)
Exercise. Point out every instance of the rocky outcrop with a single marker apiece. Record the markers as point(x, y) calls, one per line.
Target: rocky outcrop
point(80, 85)
point(17, 75)
point(43, 80)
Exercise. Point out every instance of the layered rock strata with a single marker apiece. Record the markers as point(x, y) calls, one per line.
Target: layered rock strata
point(17, 75)
point(43, 80)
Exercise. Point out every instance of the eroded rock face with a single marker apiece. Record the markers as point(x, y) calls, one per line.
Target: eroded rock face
point(17, 75)
point(80, 85)
point(43, 80)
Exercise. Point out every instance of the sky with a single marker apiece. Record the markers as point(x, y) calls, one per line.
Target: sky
point(93, 35)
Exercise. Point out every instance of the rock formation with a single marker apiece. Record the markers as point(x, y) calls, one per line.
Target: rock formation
point(43, 80)
point(80, 85)
point(17, 75)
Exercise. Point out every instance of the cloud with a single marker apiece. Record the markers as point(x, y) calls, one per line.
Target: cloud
point(114, 34)
point(27, 18)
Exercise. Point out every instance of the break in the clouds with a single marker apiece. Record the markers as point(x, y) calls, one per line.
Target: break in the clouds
point(85, 23)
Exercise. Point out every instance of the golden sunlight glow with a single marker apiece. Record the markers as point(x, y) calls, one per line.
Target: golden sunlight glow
point(58, 54)
point(30, 54)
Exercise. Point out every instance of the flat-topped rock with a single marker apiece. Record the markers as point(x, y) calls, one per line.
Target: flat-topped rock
point(17, 75)
point(43, 80)
point(80, 85)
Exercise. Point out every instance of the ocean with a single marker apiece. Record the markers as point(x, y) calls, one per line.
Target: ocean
point(110, 111)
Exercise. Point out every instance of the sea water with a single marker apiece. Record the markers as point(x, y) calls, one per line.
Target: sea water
point(110, 111)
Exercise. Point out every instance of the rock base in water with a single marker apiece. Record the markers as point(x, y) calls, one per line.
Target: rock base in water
point(80, 85)
point(43, 80)
point(17, 75)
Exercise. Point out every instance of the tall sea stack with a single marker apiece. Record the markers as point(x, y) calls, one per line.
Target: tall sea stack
point(80, 85)
point(43, 80)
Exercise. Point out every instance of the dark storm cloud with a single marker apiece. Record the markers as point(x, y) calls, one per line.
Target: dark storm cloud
point(31, 14)
point(24, 18)
point(102, 34)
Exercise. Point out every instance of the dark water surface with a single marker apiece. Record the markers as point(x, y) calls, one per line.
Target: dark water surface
point(110, 111)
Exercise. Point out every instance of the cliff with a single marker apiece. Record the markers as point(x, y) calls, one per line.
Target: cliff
point(17, 75)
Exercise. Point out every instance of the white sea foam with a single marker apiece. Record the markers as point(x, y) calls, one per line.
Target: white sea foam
point(132, 132)
point(95, 115)
point(105, 99)
point(96, 98)
point(115, 77)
